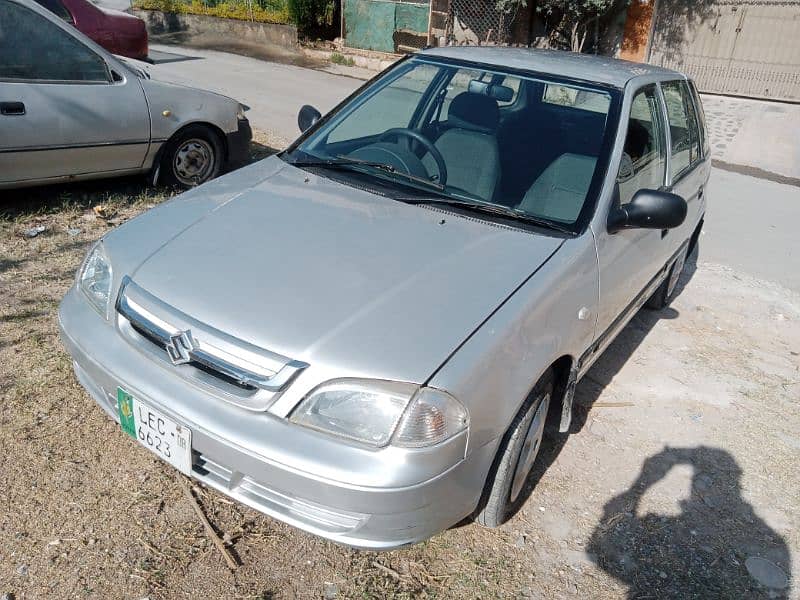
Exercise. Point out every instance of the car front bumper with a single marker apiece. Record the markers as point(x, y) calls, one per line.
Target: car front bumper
point(364, 516)
point(238, 143)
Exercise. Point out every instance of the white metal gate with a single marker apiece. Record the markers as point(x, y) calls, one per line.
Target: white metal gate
point(746, 48)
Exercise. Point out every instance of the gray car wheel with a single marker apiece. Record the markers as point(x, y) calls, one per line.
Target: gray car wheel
point(192, 157)
point(663, 294)
point(506, 489)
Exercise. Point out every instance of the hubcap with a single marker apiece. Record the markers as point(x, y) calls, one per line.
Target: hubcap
point(676, 271)
point(530, 447)
point(193, 162)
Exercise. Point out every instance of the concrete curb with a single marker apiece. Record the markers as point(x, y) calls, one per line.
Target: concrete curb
point(375, 62)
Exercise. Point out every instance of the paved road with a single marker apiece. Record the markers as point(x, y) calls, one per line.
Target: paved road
point(115, 4)
point(751, 224)
point(274, 91)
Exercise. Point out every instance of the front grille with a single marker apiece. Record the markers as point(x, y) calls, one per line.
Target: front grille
point(154, 339)
point(201, 352)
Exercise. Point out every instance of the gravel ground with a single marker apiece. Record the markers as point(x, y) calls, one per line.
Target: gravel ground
point(679, 479)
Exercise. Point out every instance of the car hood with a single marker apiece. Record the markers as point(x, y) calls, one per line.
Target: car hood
point(337, 276)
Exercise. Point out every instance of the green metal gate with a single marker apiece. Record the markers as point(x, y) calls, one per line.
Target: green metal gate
point(385, 25)
point(746, 48)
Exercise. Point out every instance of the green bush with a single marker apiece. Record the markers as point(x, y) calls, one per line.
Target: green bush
point(262, 11)
point(341, 59)
point(308, 14)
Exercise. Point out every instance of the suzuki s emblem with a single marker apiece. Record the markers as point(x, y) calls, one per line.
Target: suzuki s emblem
point(179, 347)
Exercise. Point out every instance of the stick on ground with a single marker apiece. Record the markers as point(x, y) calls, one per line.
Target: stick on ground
point(207, 525)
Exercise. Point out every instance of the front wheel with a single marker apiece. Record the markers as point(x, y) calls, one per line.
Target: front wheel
point(192, 157)
point(506, 490)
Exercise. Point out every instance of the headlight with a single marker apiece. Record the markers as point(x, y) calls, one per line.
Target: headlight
point(243, 108)
point(372, 412)
point(95, 279)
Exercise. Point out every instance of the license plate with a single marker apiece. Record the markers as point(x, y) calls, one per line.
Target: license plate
point(156, 432)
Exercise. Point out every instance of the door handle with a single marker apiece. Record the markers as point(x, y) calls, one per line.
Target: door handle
point(700, 194)
point(12, 108)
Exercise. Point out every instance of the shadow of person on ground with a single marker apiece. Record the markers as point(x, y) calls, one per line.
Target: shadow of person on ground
point(716, 548)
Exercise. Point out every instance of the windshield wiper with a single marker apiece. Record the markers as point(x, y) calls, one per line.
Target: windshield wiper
point(347, 162)
point(494, 209)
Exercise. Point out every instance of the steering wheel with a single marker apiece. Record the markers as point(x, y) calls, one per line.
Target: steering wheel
point(417, 136)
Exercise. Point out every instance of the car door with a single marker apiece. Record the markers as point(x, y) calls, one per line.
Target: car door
point(630, 259)
point(688, 164)
point(63, 111)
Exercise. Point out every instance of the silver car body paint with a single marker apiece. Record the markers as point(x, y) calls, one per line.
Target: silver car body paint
point(357, 285)
point(77, 130)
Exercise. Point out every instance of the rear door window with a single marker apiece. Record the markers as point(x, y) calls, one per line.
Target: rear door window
point(644, 155)
point(683, 128)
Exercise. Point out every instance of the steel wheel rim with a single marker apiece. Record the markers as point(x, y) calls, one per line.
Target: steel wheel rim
point(675, 273)
point(530, 448)
point(193, 162)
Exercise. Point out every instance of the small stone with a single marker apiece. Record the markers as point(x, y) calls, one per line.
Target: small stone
point(520, 542)
point(22, 570)
point(662, 574)
point(73, 231)
point(329, 590)
point(34, 231)
point(7, 596)
point(767, 573)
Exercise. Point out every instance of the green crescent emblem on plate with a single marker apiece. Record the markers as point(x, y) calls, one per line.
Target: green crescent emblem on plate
point(125, 407)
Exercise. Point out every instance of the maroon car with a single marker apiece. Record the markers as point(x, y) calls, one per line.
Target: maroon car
point(116, 31)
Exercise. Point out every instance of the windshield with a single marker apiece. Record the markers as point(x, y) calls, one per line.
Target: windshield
point(470, 134)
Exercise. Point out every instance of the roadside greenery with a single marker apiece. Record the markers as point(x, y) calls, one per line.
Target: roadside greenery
point(341, 59)
point(262, 11)
point(569, 21)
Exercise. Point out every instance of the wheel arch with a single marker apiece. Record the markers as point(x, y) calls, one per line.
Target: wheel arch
point(561, 370)
point(156, 166)
point(696, 234)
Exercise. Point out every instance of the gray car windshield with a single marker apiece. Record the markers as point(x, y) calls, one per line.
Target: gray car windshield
point(525, 145)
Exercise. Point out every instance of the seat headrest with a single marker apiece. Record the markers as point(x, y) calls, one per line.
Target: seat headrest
point(474, 111)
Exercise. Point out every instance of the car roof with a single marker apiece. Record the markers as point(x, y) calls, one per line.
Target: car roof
point(572, 65)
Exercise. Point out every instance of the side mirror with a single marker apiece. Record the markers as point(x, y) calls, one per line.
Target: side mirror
point(649, 209)
point(307, 116)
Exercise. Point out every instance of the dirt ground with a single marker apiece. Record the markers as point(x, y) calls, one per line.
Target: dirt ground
point(680, 479)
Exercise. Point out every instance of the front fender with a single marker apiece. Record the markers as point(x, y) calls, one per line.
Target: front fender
point(173, 106)
point(552, 315)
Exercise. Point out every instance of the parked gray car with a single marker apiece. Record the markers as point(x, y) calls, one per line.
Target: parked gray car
point(69, 110)
point(366, 335)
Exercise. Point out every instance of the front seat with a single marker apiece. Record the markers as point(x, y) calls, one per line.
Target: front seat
point(469, 145)
point(559, 192)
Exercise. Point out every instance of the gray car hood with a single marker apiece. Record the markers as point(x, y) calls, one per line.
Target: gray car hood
point(326, 273)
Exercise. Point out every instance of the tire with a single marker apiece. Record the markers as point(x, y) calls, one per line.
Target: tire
point(666, 291)
point(193, 156)
point(508, 485)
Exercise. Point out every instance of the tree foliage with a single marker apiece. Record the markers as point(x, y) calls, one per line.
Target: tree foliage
point(571, 20)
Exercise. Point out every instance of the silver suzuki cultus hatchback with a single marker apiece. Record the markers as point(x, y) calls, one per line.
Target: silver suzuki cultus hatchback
point(368, 335)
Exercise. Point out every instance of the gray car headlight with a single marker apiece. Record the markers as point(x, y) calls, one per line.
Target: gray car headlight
point(95, 279)
point(381, 412)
